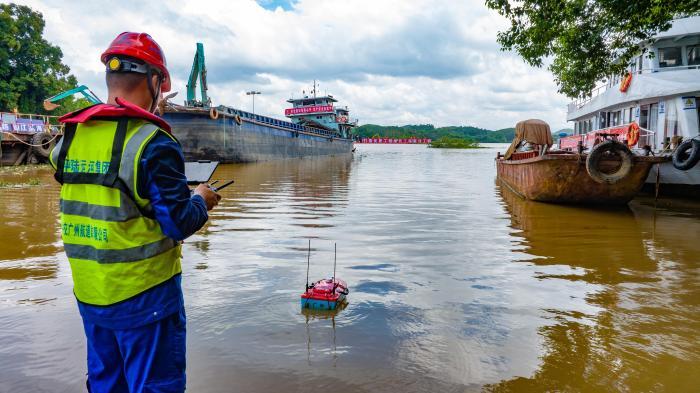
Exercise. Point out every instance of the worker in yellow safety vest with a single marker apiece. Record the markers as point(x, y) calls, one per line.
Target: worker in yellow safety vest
point(125, 208)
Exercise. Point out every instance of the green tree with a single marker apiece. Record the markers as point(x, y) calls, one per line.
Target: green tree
point(587, 40)
point(429, 131)
point(30, 67)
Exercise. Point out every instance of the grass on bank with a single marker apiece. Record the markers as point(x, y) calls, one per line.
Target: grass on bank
point(447, 142)
point(20, 176)
point(22, 169)
point(29, 183)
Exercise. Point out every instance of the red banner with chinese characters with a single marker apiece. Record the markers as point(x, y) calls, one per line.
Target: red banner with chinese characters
point(308, 109)
point(396, 140)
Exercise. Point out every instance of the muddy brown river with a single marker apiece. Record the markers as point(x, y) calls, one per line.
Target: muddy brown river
point(455, 284)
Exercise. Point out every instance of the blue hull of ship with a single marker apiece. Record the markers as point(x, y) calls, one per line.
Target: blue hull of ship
point(256, 138)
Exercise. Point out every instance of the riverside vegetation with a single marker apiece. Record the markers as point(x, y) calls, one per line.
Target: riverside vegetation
point(475, 134)
point(447, 142)
point(429, 131)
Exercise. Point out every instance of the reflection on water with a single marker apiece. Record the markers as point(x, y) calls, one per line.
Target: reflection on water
point(29, 229)
point(321, 333)
point(643, 335)
point(456, 285)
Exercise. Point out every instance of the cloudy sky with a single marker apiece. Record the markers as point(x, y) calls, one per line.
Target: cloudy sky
point(392, 62)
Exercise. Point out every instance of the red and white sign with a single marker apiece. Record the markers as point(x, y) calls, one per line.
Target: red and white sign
point(302, 110)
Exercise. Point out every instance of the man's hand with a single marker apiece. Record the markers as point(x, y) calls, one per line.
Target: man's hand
point(210, 197)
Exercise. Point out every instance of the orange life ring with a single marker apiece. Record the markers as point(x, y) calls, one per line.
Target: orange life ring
point(626, 81)
point(632, 134)
point(213, 113)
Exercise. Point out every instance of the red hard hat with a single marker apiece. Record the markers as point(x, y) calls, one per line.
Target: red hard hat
point(140, 46)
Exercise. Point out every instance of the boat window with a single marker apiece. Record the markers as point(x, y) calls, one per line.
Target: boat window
point(670, 57)
point(693, 55)
point(697, 109)
point(639, 63)
point(653, 117)
point(644, 117)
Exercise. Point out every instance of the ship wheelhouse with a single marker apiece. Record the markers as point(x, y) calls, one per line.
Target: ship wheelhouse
point(321, 112)
point(662, 96)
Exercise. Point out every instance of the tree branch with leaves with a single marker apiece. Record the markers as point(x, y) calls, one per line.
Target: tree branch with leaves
point(31, 69)
point(587, 40)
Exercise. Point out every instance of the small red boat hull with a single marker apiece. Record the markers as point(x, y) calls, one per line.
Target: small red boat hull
point(325, 294)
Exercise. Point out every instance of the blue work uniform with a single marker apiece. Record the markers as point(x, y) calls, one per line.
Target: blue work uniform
point(138, 345)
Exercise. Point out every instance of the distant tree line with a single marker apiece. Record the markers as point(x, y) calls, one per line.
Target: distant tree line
point(474, 134)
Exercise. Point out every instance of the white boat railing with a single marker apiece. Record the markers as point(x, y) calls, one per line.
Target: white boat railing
point(616, 80)
point(588, 139)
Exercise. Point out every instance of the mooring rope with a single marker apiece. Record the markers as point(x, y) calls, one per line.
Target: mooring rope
point(32, 145)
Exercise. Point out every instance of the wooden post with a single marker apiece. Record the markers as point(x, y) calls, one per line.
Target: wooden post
point(658, 178)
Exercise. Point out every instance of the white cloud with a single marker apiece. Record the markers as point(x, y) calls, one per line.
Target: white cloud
point(391, 62)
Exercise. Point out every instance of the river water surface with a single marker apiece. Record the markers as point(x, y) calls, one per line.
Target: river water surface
point(456, 285)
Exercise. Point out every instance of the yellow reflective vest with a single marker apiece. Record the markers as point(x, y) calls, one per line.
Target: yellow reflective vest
point(115, 247)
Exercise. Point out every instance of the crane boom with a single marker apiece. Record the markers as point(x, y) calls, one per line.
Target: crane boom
point(51, 102)
point(199, 71)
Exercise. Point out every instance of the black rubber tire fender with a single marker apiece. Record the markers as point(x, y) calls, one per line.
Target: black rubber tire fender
point(43, 143)
point(597, 155)
point(687, 154)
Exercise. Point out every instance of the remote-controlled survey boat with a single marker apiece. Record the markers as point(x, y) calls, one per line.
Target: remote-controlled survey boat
point(326, 294)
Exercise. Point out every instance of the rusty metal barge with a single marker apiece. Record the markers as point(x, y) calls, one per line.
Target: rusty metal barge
point(607, 175)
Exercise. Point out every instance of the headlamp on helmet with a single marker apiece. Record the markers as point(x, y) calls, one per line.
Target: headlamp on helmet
point(117, 64)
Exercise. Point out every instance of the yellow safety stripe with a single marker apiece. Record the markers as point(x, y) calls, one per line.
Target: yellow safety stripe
point(104, 284)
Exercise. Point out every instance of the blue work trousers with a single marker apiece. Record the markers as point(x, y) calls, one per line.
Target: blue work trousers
point(145, 359)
